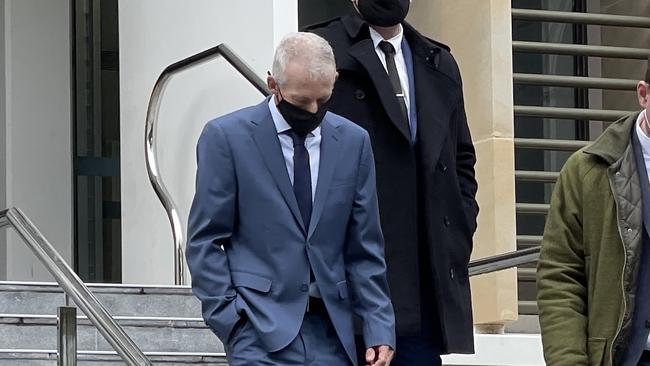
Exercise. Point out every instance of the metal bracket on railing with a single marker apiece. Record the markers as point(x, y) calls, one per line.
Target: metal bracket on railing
point(153, 169)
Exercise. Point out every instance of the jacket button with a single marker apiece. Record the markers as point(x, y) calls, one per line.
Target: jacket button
point(447, 222)
point(360, 94)
point(304, 287)
point(452, 274)
point(618, 174)
point(443, 167)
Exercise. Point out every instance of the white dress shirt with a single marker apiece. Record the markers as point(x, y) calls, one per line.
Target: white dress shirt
point(644, 140)
point(399, 61)
point(312, 143)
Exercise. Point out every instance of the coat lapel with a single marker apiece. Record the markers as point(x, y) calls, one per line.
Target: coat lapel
point(435, 95)
point(329, 157)
point(364, 52)
point(266, 139)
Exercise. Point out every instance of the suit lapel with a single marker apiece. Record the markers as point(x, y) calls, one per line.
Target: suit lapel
point(266, 139)
point(364, 52)
point(329, 157)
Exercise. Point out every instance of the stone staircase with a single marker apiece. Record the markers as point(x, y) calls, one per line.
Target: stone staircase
point(164, 321)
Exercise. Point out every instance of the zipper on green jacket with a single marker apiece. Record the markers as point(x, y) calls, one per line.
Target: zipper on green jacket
point(620, 234)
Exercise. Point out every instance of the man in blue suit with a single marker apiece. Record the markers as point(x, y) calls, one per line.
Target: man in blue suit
point(285, 246)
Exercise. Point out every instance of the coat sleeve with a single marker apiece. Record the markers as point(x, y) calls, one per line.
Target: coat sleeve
point(364, 258)
point(465, 161)
point(561, 279)
point(210, 227)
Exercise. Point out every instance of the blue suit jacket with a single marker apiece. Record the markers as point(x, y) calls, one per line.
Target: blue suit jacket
point(248, 251)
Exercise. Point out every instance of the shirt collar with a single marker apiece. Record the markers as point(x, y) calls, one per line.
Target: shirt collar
point(281, 124)
point(395, 41)
point(642, 135)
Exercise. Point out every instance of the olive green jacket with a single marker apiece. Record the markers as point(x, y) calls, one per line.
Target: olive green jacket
point(590, 253)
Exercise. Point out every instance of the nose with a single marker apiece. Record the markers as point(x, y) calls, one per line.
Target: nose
point(312, 107)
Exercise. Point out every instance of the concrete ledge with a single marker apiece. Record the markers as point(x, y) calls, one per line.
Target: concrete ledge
point(502, 350)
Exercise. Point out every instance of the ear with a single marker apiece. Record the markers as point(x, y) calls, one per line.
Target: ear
point(272, 84)
point(643, 93)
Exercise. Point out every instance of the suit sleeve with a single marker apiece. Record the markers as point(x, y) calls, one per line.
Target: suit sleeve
point(562, 294)
point(364, 258)
point(210, 227)
point(465, 161)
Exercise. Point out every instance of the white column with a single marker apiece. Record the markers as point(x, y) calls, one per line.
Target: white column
point(37, 118)
point(154, 34)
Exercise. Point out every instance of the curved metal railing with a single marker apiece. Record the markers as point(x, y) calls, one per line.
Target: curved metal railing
point(153, 171)
point(74, 287)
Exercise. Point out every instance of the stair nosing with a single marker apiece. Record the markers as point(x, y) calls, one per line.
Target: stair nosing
point(116, 317)
point(147, 353)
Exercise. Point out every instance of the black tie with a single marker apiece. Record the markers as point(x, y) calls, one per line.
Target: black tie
point(393, 75)
point(301, 176)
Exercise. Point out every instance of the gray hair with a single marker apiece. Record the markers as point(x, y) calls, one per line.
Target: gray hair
point(307, 48)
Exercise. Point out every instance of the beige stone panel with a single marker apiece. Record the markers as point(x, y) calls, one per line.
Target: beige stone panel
point(495, 295)
point(480, 36)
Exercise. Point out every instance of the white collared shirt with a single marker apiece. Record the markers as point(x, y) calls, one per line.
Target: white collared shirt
point(644, 140)
point(312, 143)
point(400, 63)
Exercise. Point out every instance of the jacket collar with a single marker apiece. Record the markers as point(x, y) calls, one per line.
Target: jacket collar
point(354, 25)
point(611, 145)
point(357, 28)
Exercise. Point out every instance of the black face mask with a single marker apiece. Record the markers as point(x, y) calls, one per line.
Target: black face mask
point(383, 13)
point(301, 121)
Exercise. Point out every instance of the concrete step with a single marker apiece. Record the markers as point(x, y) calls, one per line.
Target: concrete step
point(48, 358)
point(501, 350)
point(27, 331)
point(120, 300)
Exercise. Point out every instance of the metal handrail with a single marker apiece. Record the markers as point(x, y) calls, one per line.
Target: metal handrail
point(153, 169)
point(569, 113)
point(533, 208)
point(73, 286)
point(503, 261)
point(550, 144)
point(574, 81)
point(536, 176)
point(580, 50)
point(581, 18)
point(529, 240)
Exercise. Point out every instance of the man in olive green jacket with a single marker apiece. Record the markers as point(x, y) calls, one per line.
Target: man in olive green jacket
point(591, 251)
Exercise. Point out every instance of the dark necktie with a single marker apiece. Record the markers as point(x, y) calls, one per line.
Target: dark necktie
point(301, 177)
point(393, 75)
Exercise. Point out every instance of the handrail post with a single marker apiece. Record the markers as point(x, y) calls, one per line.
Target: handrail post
point(67, 336)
